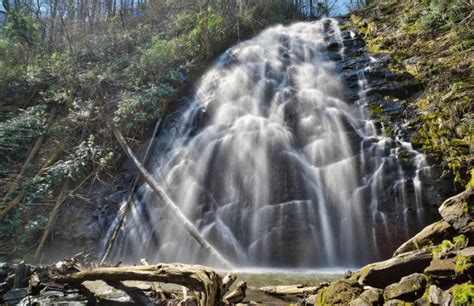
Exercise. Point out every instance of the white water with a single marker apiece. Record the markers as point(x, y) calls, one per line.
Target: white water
point(275, 168)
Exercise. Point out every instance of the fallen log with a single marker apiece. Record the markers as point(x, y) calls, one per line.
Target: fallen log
point(228, 280)
point(293, 290)
point(237, 295)
point(175, 211)
point(134, 293)
point(156, 286)
point(201, 279)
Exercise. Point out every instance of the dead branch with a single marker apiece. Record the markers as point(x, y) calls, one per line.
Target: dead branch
point(293, 290)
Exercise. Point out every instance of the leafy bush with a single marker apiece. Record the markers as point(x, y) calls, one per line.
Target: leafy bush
point(80, 162)
point(142, 106)
point(463, 294)
point(444, 12)
point(17, 134)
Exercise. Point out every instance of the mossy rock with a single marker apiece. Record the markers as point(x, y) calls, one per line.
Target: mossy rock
point(409, 288)
point(339, 293)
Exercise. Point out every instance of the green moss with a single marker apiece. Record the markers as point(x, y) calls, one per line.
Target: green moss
point(389, 131)
point(460, 241)
point(446, 244)
point(321, 300)
point(470, 184)
point(375, 109)
point(461, 264)
point(463, 294)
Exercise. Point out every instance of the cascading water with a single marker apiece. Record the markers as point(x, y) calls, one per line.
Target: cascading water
point(275, 168)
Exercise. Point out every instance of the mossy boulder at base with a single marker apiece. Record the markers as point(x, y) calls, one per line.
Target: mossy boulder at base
point(384, 273)
point(370, 296)
point(432, 234)
point(341, 292)
point(409, 287)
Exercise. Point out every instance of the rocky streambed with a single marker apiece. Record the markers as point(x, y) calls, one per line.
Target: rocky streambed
point(435, 267)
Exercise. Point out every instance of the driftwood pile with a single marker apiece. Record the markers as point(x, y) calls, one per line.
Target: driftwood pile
point(200, 285)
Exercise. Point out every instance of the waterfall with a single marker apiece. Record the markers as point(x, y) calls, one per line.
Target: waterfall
point(276, 167)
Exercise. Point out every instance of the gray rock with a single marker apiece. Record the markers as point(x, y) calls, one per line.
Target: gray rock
point(4, 288)
point(395, 303)
point(372, 296)
point(468, 253)
point(14, 296)
point(432, 234)
point(409, 288)
point(438, 297)
point(310, 300)
point(442, 268)
point(359, 302)
point(458, 211)
point(384, 273)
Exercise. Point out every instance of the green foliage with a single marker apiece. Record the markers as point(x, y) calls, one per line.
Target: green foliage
point(125, 65)
point(17, 134)
point(461, 264)
point(460, 241)
point(443, 13)
point(21, 28)
point(142, 106)
point(463, 294)
point(84, 158)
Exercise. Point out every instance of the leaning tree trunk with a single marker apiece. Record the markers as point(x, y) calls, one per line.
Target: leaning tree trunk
point(166, 200)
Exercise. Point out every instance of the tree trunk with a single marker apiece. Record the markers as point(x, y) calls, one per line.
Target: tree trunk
point(52, 219)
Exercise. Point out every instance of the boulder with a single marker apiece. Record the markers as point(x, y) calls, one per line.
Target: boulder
point(432, 234)
point(442, 268)
point(465, 262)
point(409, 288)
point(340, 292)
point(372, 296)
point(458, 265)
point(14, 296)
point(435, 296)
point(458, 211)
point(359, 302)
point(384, 273)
